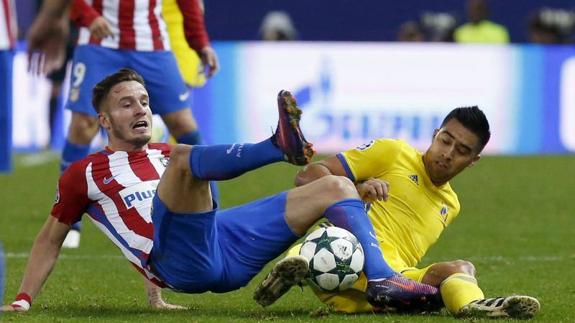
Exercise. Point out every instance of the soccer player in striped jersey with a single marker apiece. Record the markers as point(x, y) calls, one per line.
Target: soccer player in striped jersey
point(410, 204)
point(132, 34)
point(153, 202)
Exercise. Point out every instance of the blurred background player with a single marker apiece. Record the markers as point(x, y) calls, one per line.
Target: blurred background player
point(8, 31)
point(47, 37)
point(116, 34)
point(550, 26)
point(410, 213)
point(189, 62)
point(479, 29)
point(277, 26)
point(410, 31)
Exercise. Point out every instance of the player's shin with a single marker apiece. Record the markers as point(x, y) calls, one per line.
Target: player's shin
point(459, 290)
point(221, 162)
point(350, 214)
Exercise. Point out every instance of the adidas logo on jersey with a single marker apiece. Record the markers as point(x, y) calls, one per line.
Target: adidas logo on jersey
point(443, 212)
point(414, 178)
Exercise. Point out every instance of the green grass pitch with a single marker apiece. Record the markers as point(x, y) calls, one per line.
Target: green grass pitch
point(517, 226)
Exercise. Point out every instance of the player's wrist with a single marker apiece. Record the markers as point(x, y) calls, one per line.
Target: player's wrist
point(22, 302)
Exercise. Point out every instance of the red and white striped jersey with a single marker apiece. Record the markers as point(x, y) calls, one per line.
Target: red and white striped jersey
point(137, 24)
point(116, 190)
point(8, 27)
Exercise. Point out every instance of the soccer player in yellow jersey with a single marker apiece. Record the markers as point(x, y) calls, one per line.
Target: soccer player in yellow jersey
point(410, 204)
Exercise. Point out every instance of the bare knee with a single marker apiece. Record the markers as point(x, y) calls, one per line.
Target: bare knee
point(337, 188)
point(463, 266)
point(440, 271)
point(180, 156)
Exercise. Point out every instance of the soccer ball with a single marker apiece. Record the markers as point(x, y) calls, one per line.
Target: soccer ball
point(335, 258)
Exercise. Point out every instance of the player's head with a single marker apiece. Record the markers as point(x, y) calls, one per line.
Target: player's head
point(122, 103)
point(457, 144)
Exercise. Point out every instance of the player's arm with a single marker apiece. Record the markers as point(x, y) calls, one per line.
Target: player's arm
point(42, 259)
point(47, 37)
point(197, 36)
point(84, 15)
point(369, 190)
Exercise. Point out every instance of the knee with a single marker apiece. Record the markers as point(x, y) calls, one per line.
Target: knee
point(180, 156)
point(459, 267)
point(464, 266)
point(440, 271)
point(339, 187)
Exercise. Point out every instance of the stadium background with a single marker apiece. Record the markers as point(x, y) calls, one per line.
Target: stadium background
point(517, 220)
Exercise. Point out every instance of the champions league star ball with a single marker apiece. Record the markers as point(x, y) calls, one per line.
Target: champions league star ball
point(335, 258)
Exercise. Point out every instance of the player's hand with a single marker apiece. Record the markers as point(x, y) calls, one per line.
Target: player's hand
point(373, 190)
point(100, 28)
point(19, 305)
point(210, 60)
point(47, 43)
point(166, 306)
point(10, 308)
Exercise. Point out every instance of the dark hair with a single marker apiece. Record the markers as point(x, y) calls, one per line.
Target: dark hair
point(473, 119)
point(101, 90)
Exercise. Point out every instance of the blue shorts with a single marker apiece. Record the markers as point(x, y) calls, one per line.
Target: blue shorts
point(167, 90)
point(218, 251)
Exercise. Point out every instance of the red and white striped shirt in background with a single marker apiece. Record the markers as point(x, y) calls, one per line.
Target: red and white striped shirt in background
point(137, 24)
point(8, 27)
point(116, 189)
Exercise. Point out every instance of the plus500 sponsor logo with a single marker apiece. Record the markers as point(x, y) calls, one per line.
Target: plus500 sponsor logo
point(139, 195)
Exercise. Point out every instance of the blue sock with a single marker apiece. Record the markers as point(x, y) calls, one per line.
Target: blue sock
point(191, 138)
point(350, 215)
point(77, 226)
point(221, 162)
point(72, 153)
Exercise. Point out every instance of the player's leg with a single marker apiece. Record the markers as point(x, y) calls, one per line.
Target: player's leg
point(463, 297)
point(220, 162)
point(6, 86)
point(253, 234)
point(90, 65)
point(336, 198)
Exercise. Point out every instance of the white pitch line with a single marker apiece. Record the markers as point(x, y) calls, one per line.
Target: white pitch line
point(25, 255)
point(40, 158)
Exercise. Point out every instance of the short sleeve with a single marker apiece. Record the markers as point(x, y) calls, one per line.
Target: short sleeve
point(370, 160)
point(71, 195)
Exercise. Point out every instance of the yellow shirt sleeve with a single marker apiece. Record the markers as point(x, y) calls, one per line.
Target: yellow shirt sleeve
point(189, 62)
point(370, 160)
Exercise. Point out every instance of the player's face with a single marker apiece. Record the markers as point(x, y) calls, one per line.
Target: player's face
point(128, 117)
point(454, 148)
